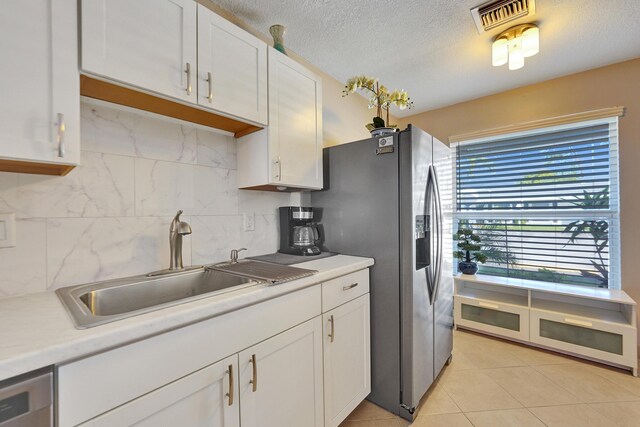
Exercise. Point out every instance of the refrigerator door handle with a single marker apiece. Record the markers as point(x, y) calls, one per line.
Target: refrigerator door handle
point(439, 221)
point(430, 203)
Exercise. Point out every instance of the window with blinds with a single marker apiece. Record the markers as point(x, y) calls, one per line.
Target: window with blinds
point(544, 202)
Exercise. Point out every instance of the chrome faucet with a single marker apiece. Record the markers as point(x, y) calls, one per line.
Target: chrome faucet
point(177, 230)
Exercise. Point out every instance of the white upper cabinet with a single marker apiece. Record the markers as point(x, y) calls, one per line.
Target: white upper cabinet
point(150, 44)
point(289, 152)
point(39, 88)
point(232, 68)
point(296, 122)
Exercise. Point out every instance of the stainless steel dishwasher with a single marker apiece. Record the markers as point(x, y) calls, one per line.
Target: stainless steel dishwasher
point(27, 400)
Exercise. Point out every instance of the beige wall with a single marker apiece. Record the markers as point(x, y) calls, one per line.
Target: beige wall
point(614, 85)
point(343, 118)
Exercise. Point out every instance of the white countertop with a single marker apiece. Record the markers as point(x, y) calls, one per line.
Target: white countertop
point(36, 331)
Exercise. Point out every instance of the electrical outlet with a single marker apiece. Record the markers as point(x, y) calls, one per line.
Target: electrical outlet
point(7, 230)
point(249, 222)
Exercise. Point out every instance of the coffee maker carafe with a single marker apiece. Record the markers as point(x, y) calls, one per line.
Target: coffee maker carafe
point(299, 232)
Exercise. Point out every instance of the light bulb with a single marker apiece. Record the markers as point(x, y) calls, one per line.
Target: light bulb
point(516, 56)
point(530, 41)
point(500, 52)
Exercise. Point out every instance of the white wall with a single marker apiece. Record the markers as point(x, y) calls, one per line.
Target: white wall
point(110, 217)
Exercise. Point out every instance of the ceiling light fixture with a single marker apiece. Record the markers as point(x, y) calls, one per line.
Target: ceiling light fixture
point(515, 44)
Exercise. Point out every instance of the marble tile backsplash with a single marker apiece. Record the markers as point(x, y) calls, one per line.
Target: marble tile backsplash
point(110, 216)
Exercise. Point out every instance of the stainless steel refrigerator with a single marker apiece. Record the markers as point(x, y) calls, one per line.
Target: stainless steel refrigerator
point(390, 198)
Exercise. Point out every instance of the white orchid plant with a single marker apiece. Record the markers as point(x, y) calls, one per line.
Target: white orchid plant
point(380, 98)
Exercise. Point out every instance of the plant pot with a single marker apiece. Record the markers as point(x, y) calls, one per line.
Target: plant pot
point(468, 267)
point(382, 131)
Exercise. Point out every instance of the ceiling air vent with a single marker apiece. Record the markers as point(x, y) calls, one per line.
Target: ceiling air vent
point(496, 13)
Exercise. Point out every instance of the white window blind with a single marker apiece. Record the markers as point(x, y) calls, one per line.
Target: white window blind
point(544, 202)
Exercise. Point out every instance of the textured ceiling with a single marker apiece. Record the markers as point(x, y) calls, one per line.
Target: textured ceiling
point(431, 48)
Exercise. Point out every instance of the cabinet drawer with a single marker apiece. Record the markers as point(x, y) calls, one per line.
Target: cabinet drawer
point(588, 337)
point(96, 384)
point(497, 318)
point(343, 289)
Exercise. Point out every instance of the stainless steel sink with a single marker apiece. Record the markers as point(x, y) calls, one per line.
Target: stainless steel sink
point(103, 302)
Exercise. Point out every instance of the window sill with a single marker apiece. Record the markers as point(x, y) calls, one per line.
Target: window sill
point(612, 295)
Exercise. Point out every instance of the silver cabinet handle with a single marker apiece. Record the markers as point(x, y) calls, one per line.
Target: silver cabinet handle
point(332, 329)
point(210, 81)
point(351, 286)
point(279, 163)
point(230, 394)
point(188, 71)
point(60, 134)
point(254, 380)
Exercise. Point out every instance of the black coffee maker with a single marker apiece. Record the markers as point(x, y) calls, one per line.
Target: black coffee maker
point(300, 233)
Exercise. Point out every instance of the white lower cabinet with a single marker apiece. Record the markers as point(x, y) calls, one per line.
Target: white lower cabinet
point(259, 366)
point(206, 398)
point(495, 317)
point(604, 340)
point(347, 359)
point(281, 379)
point(597, 324)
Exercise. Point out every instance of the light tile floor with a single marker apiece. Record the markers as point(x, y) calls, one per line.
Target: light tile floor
point(495, 383)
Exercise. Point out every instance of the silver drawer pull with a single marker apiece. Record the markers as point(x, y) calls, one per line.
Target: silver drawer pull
point(578, 322)
point(230, 394)
point(254, 377)
point(487, 305)
point(351, 286)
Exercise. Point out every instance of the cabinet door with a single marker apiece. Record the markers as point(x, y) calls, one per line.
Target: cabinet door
point(39, 88)
point(145, 43)
point(281, 379)
point(206, 398)
point(232, 68)
point(347, 359)
point(295, 123)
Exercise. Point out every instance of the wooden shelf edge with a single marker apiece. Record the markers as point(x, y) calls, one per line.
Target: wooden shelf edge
point(110, 92)
point(20, 166)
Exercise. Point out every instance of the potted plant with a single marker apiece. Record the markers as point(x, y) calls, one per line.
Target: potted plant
point(469, 251)
point(380, 99)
